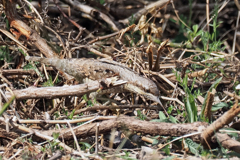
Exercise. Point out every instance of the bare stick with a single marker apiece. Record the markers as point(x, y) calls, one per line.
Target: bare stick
point(143, 11)
point(56, 92)
point(33, 121)
point(18, 72)
point(228, 143)
point(96, 139)
point(219, 123)
point(154, 128)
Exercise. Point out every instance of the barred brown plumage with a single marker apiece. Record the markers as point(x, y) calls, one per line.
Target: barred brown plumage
point(96, 69)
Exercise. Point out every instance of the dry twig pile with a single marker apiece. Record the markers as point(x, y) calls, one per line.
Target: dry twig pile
point(80, 74)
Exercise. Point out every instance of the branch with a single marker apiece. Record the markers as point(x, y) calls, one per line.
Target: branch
point(92, 12)
point(153, 128)
point(219, 123)
point(56, 92)
point(143, 11)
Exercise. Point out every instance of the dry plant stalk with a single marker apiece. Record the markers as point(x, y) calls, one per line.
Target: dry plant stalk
point(209, 102)
point(159, 51)
point(142, 26)
point(149, 51)
point(198, 73)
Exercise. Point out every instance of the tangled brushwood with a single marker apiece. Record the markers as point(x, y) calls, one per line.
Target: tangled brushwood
point(108, 79)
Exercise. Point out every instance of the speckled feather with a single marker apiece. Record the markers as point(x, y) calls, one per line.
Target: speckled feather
point(97, 69)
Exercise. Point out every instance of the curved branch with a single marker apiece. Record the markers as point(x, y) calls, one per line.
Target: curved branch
point(92, 12)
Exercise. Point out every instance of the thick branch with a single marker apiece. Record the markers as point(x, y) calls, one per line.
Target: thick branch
point(153, 128)
point(219, 123)
point(228, 143)
point(56, 92)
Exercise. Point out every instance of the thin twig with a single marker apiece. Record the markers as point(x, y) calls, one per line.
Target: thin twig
point(235, 35)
